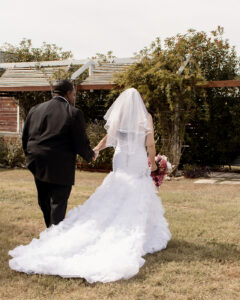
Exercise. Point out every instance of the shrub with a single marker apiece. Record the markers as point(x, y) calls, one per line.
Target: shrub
point(95, 132)
point(194, 171)
point(11, 152)
point(12, 155)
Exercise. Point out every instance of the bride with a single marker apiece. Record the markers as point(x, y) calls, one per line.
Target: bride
point(106, 238)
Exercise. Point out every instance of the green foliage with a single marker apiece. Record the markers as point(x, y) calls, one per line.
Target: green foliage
point(11, 152)
point(103, 58)
point(195, 171)
point(216, 140)
point(205, 120)
point(175, 99)
point(95, 132)
point(93, 104)
point(213, 133)
point(29, 99)
point(24, 52)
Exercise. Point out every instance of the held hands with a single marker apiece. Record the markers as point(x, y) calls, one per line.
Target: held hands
point(101, 145)
point(96, 153)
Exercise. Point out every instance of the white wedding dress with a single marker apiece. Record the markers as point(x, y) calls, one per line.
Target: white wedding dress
point(106, 238)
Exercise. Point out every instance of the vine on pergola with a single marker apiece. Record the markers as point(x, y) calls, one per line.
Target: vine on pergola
point(174, 98)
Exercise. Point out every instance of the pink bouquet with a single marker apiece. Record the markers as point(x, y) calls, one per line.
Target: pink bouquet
point(163, 166)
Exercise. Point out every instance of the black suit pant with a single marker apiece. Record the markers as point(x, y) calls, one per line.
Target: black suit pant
point(52, 199)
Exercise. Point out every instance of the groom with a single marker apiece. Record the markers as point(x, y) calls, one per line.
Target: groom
point(53, 133)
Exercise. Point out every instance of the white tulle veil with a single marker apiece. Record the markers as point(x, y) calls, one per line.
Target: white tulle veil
point(127, 120)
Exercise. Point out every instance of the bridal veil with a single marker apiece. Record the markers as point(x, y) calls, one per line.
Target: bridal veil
point(127, 120)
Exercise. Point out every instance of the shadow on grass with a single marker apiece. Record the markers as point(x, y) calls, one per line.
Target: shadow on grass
point(185, 251)
point(179, 251)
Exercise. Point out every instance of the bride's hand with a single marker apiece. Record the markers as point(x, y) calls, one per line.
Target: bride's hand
point(154, 167)
point(96, 153)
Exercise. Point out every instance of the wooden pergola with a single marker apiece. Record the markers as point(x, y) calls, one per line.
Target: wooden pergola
point(221, 84)
point(27, 77)
point(38, 76)
point(46, 88)
point(109, 86)
point(30, 77)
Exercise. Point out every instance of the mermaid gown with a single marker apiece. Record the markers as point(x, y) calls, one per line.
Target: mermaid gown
point(106, 238)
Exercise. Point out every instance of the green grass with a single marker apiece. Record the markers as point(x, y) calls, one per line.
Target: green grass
point(202, 261)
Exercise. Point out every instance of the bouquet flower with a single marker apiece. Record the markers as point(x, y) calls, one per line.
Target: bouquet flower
point(164, 167)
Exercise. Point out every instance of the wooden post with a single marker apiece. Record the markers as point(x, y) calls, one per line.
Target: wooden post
point(90, 72)
point(176, 138)
point(18, 118)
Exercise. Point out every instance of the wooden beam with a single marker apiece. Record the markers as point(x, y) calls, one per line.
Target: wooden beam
point(88, 87)
point(88, 65)
point(220, 84)
point(18, 117)
point(34, 64)
point(209, 84)
point(24, 88)
point(48, 88)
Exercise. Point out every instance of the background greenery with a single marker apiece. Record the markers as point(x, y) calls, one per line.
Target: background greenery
point(11, 152)
point(193, 125)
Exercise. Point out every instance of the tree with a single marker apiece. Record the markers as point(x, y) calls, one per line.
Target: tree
point(169, 96)
point(104, 58)
point(213, 133)
point(24, 52)
point(175, 99)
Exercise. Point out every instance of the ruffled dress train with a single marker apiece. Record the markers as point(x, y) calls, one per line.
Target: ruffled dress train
point(106, 238)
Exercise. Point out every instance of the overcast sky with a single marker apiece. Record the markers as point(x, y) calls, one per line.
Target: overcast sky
point(123, 26)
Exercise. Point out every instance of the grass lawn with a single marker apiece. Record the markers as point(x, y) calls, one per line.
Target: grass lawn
point(202, 261)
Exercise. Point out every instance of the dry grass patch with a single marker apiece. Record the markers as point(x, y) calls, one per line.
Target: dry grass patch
point(202, 261)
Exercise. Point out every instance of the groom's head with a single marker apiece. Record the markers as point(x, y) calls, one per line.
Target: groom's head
point(65, 89)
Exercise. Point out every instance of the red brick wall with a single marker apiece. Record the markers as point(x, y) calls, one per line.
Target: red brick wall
point(8, 114)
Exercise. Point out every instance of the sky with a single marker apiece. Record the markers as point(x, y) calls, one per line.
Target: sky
point(122, 26)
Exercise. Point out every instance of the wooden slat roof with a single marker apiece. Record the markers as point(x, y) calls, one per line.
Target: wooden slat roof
point(36, 76)
point(103, 74)
point(39, 77)
point(34, 64)
point(29, 77)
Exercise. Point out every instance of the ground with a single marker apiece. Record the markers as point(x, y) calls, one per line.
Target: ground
point(202, 261)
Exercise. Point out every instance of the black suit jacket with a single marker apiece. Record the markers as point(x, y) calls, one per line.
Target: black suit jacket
point(53, 133)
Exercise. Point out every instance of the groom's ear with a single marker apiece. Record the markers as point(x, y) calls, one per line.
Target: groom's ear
point(71, 96)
